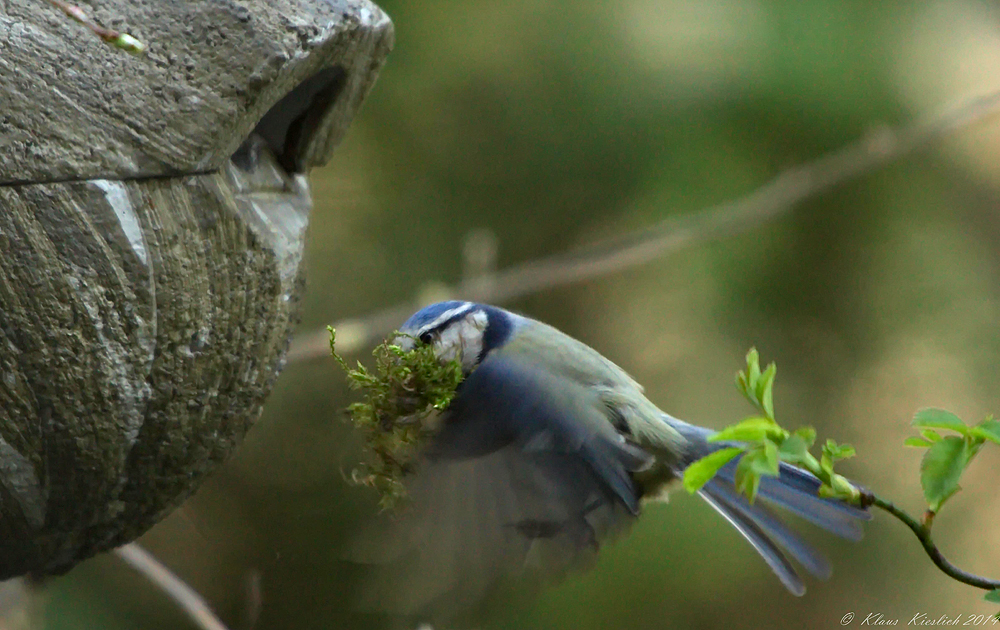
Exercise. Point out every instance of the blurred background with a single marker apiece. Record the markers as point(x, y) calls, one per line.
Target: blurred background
point(548, 125)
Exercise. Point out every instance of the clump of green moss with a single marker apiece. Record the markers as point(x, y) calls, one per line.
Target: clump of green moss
point(403, 396)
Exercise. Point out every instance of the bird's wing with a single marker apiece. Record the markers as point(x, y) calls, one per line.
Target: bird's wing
point(527, 478)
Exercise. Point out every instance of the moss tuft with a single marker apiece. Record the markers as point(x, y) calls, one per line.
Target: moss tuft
point(403, 396)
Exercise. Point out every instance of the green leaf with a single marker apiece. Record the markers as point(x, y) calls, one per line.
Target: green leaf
point(931, 435)
point(794, 449)
point(838, 451)
point(700, 472)
point(753, 369)
point(942, 466)
point(939, 419)
point(988, 429)
point(741, 382)
point(993, 596)
point(756, 463)
point(764, 390)
point(747, 479)
point(808, 435)
point(831, 453)
point(916, 442)
point(767, 461)
point(752, 429)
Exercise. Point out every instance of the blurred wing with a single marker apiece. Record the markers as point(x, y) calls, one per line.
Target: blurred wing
point(527, 477)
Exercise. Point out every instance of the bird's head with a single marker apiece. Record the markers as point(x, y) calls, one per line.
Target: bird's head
point(465, 331)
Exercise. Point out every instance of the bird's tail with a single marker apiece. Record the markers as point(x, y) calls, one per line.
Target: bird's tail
point(794, 490)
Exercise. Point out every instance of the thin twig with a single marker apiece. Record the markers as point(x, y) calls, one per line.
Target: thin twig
point(190, 601)
point(254, 598)
point(115, 38)
point(923, 534)
point(776, 198)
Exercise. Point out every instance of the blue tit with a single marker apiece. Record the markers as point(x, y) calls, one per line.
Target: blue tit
point(548, 451)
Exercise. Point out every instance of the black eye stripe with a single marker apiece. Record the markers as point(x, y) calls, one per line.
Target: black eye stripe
point(428, 335)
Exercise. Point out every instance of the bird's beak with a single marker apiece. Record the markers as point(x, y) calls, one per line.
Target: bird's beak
point(404, 342)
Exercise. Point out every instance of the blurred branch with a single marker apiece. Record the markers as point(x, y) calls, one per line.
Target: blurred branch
point(254, 598)
point(190, 601)
point(20, 604)
point(881, 146)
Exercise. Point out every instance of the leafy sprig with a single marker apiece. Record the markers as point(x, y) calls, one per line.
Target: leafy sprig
point(402, 397)
point(762, 444)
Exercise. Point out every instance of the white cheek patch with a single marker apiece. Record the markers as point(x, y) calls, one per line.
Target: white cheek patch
point(463, 340)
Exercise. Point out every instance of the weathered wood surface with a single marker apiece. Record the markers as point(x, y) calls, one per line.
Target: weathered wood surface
point(71, 108)
point(150, 252)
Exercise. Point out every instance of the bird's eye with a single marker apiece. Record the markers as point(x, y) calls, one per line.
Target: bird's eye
point(426, 338)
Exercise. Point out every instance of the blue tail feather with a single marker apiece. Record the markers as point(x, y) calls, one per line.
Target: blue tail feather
point(813, 561)
point(748, 527)
point(794, 490)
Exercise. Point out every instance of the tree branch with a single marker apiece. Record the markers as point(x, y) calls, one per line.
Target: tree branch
point(190, 601)
point(923, 534)
point(879, 147)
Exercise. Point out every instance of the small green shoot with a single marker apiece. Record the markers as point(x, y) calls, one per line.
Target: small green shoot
point(402, 399)
point(123, 41)
point(762, 444)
